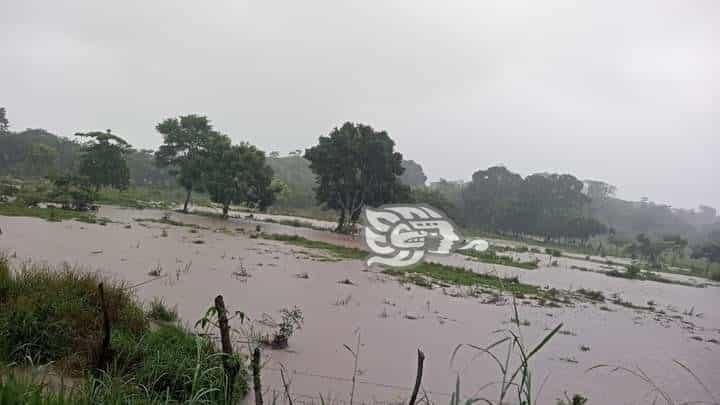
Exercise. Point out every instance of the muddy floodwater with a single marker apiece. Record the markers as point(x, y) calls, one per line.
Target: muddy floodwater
point(259, 276)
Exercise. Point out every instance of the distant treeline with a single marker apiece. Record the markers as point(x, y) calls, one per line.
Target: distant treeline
point(553, 206)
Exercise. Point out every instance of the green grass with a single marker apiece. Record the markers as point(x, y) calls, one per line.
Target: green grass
point(53, 315)
point(464, 277)
point(50, 214)
point(635, 273)
point(158, 311)
point(489, 256)
point(149, 197)
point(339, 251)
point(166, 220)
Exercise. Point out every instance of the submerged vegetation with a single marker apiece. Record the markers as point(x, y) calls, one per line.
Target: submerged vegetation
point(50, 214)
point(460, 276)
point(336, 250)
point(489, 256)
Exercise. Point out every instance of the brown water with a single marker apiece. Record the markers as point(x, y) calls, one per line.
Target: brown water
point(378, 307)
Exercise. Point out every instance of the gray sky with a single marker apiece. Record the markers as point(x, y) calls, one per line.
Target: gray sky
point(620, 91)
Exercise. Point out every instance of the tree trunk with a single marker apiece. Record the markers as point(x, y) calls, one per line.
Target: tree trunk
point(226, 209)
point(341, 222)
point(187, 200)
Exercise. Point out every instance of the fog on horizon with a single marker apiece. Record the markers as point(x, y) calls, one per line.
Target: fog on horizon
point(624, 92)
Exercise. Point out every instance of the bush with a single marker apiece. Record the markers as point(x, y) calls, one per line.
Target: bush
point(73, 192)
point(553, 252)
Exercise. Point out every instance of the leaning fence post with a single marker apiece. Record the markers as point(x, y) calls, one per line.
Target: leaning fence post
point(104, 354)
point(257, 388)
point(418, 378)
point(230, 366)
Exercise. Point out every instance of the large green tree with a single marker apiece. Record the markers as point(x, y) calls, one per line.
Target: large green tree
point(237, 174)
point(185, 140)
point(103, 160)
point(355, 165)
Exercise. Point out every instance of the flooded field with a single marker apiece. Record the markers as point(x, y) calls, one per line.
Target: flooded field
point(392, 320)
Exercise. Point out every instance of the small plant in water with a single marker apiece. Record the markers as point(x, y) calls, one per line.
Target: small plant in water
point(292, 320)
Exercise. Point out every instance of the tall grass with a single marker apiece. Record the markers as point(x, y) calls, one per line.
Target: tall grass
point(54, 316)
point(516, 381)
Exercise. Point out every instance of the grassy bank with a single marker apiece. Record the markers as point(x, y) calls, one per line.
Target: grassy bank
point(55, 316)
point(460, 276)
point(50, 214)
point(336, 250)
point(489, 256)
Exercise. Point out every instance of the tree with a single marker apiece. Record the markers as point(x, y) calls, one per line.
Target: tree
point(4, 123)
point(413, 174)
point(709, 250)
point(237, 174)
point(103, 160)
point(185, 139)
point(355, 165)
point(41, 160)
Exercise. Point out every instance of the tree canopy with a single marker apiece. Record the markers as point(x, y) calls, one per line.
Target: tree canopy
point(236, 174)
point(185, 139)
point(355, 165)
point(103, 160)
point(413, 174)
point(543, 204)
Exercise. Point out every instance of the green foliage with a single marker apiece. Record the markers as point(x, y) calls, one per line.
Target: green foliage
point(434, 198)
point(489, 256)
point(291, 320)
point(171, 361)
point(295, 173)
point(548, 205)
point(461, 276)
point(73, 192)
point(237, 174)
point(17, 148)
point(354, 166)
point(413, 174)
point(185, 139)
point(55, 315)
point(553, 252)
point(516, 381)
point(160, 312)
point(339, 251)
point(54, 214)
point(709, 250)
point(103, 160)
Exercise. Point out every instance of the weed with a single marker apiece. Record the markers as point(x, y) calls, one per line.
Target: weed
point(160, 312)
point(339, 251)
point(49, 214)
point(461, 276)
point(489, 256)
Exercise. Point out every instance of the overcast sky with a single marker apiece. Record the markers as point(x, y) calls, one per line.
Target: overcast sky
point(621, 91)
